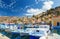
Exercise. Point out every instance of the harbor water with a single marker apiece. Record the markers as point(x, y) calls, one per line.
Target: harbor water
point(18, 36)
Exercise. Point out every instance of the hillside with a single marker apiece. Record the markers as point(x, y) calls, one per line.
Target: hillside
point(45, 16)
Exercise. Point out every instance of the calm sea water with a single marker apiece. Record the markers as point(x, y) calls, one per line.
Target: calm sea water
point(17, 35)
point(56, 31)
point(13, 35)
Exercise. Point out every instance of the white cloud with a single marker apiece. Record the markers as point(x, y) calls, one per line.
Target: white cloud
point(29, 14)
point(34, 11)
point(37, 1)
point(47, 5)
point(13, 2)
point(3, 5)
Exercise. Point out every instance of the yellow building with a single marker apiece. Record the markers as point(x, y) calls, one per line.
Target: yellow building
point(55, 20)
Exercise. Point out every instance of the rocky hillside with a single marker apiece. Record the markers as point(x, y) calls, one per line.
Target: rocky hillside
point(45, 16)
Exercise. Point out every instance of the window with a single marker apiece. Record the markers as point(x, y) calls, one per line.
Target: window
point(58, 23)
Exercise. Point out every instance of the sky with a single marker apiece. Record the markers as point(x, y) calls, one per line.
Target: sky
point(26, 7)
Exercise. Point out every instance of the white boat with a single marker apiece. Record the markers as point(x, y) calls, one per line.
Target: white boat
point(41, 31)
point(2, 26)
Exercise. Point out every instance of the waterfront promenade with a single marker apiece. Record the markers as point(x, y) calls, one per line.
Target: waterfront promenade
point(3, 36)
